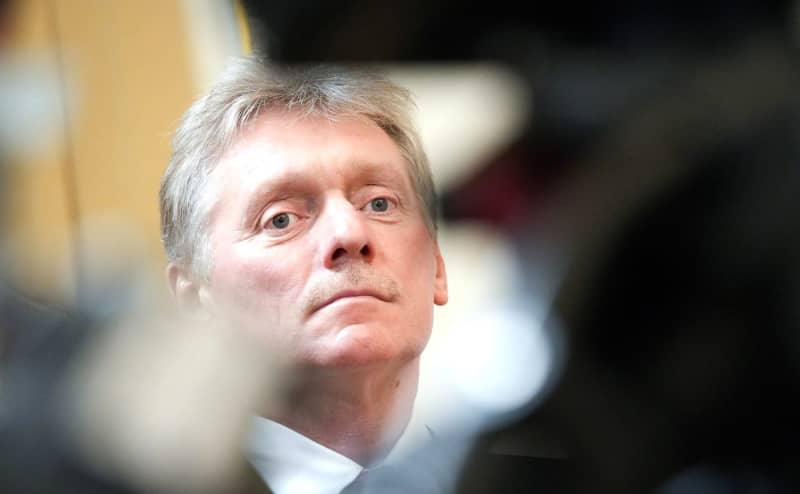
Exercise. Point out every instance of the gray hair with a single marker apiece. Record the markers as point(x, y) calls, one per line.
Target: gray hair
point(248, 87)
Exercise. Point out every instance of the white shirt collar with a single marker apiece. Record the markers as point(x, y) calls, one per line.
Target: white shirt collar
point(290, 462)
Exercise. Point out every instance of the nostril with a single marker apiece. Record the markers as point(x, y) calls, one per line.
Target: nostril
point(341, 253)
point(338, 253)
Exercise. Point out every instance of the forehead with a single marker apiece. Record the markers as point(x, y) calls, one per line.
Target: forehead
point(281, 144)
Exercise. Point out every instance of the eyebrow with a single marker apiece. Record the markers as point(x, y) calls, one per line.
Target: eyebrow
point(382, 173)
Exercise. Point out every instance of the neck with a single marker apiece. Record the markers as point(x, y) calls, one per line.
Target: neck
point(358, 413)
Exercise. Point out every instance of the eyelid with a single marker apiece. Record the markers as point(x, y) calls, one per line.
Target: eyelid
point(277, 205)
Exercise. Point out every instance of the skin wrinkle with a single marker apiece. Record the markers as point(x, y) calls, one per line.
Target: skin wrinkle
point(294, 184)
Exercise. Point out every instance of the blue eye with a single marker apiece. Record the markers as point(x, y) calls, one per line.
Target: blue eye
point(379, 204)
point(281, 220)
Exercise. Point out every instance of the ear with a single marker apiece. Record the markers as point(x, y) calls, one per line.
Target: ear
point(440, 280)
point(190, 294)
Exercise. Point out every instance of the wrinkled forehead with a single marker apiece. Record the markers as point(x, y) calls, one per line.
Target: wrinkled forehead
point(304, 137)
point(282, 148)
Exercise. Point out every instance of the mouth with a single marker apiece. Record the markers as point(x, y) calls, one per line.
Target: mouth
point(345, 294)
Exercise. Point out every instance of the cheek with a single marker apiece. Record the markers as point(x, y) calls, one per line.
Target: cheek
point(419, 262)
point(251, 280)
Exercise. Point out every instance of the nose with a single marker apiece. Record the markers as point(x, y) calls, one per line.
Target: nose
point(346, 235)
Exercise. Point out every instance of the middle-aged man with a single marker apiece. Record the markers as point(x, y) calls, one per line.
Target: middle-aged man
point(298, 206)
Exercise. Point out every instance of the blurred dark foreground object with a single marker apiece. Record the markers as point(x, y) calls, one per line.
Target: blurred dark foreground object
point(685, 342)
point(680, 300)
point(77, 412)
point(447, 30)
point(39, 343)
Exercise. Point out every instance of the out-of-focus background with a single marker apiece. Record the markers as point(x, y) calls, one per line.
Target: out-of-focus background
point(115, 78)
point(618, 220)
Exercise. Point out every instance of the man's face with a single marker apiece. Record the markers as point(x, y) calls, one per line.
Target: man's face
point(320, 245)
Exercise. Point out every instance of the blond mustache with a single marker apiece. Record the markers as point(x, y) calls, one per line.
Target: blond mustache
point(350, 277)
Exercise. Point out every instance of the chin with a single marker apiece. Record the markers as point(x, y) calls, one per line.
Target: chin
point(359, 346)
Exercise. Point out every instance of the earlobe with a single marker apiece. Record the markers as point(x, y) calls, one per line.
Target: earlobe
point(440, 281)
point(187, 292)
